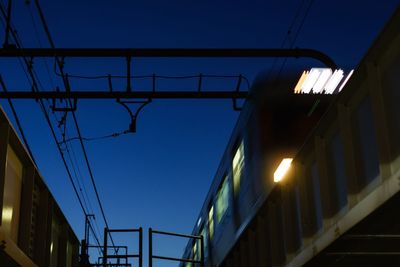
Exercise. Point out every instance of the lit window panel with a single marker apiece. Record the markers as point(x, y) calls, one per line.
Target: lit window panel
point(237, 167)
point(12, 195)
point(205, 240)
point(222, 199)
point(211, 222)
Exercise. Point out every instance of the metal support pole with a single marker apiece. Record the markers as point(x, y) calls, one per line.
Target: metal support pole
point(140, 247)
point(87, 228)
point(105, 247)
point(150, 247)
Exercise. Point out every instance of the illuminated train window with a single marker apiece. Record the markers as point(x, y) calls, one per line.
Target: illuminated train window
point(222, 199)
point(211, 222)
point(237, 167)
point(195, 255)
point(205, 240)
point(12, 195)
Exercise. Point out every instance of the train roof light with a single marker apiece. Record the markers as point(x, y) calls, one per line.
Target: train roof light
point(321, 80)
point(334, 81)
point(310, 80)
point(282, 169)
point(345, 81)
point(297, 89)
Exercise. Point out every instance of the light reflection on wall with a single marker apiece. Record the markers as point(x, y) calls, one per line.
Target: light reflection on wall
point(7, 214)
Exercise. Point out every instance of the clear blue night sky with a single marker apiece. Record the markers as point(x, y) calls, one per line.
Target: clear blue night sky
point(159, 176)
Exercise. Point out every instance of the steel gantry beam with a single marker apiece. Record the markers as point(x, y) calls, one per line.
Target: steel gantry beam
point(169, 52)
point(129, 53)
point(123, 95)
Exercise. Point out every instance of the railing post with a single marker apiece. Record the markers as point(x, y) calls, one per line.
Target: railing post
point(150, 247)
point(202, 250)
point(105, 247)
point(140, 246)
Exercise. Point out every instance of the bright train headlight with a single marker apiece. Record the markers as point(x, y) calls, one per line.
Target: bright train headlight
point(282, 169)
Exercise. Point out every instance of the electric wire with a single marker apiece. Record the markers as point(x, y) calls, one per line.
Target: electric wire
point(80, 174)
point(10, 103)
point(76, 180)
point(39, 42)
point(32, 79)
point(291, 44)
point(38, 81)
point(67, 140)
point(73, 162)
point(47, 31)
point(85, 196)
point(287, 37)
point(98, 77)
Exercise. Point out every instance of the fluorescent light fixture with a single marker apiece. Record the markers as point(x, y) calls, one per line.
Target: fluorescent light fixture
point(311, 80)
point(198, 222)
point(345, 81)
point(297, 89)
point(282, 169)
point(322, 80)
point(333, 81)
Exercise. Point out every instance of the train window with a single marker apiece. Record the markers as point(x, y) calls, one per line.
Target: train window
point(237, 167)
point(12, 195)
point(211, 222)
point(205, 240)
point(55, 233)
point(222, 199)
point(194, 250)
point(339, 170)
point(69, 254)
point(367, 141)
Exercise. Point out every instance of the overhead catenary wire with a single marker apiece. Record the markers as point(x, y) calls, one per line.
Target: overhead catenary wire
point(67, 140)
point(20, 129)
point(74, 162)
point(290, 33)
point(31, 78)
point(293, 41)
point(50, 39)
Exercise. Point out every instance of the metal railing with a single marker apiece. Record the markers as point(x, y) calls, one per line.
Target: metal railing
point(151, 256)
point(126, 255)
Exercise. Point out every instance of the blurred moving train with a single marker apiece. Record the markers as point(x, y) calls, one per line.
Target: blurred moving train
point(33, 230)
point(346, 159)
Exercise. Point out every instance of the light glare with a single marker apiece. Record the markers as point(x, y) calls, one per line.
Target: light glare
point(345, 81)
point(334, 81)
point(322, 80)
point(7, 214)
point(297, 89)
point(310, 80)
point(282, 169)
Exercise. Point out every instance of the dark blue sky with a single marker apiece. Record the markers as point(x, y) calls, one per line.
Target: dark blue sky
point(159, 176)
